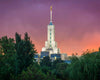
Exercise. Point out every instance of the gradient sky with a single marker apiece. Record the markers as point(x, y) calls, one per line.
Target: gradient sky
point(77, 22)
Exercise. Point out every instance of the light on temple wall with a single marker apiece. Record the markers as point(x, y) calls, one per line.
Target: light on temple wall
point(55, 57)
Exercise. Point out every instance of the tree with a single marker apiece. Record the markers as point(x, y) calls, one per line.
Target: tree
point(34, 72)
point(46, 61)
point(17, 56)
point(7, 45)
point(24, 52)
point(7, 66)
point(55, 62)
point(7, 57)
point(85, 67)
point(99, 49)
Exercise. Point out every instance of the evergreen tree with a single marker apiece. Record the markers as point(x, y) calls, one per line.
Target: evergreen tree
point(24, 52)
point(7, 50)
point(7, 45)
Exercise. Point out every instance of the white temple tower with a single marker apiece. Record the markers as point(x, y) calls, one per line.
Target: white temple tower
point(50, 44)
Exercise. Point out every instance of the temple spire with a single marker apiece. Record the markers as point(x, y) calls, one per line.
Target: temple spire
point(50, 13)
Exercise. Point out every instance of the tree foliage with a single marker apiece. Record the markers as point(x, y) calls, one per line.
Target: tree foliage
point(85, 67)
point(17, 55)
point(24, 52)
point(7, 45)
point(46, 61)
point(7, 66)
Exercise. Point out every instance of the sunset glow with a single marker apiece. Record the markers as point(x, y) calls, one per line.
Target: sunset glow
point(77, 22)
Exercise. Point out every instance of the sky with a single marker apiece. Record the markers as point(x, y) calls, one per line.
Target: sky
point(77, 22)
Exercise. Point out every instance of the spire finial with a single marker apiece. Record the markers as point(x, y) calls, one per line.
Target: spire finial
point(51, 8)
point(50, 13)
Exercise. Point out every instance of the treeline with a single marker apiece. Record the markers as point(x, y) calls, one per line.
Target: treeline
point(17, 63)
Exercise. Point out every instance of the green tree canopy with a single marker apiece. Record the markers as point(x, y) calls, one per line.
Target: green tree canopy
point(24, 52)
point(7, 45)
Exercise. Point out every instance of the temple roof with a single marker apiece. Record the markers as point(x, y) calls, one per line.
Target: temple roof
point(56, 55)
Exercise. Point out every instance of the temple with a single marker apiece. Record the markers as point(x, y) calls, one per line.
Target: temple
point(50, 48)
point(50, 44)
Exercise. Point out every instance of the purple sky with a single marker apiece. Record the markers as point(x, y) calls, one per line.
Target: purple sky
point(77, 22)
